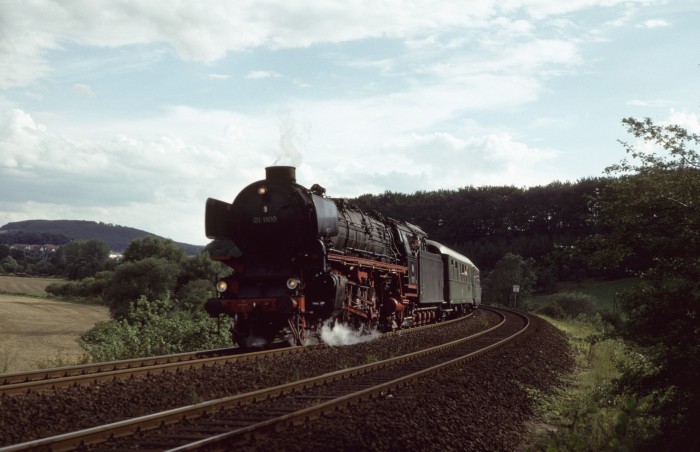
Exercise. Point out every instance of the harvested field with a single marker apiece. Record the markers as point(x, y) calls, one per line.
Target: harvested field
point(38, 332)
point(25, 285)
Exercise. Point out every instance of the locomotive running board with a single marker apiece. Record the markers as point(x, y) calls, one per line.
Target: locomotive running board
point(352, 260)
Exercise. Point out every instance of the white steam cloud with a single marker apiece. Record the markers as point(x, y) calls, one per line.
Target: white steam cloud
point(291, 133)
point(341, 334)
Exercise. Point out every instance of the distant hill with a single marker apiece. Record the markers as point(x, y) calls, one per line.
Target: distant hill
point(62, 231)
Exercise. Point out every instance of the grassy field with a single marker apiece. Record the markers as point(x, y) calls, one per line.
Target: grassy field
point(605, 292)
point(25, 285)
point(38, 332)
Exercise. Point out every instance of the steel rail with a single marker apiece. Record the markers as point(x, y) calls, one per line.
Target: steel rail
point(315, 411)
point(81, 369)
point(100, 434)
point(61, 377)
point(147, 369)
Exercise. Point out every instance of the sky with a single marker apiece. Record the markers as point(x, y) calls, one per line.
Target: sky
point(135, 112)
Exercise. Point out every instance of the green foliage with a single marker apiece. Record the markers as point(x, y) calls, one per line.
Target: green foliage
point(153, 327)
point(9, 265)
point(591, 414)
point(485, 223)
point(13, 233)
point(652, 210)
point(59, 232)
point(156, 268)
point(153, 247)
point(192, 295)
point(198, 267)
point(84, 258)
point(152, 278)
point(553, 310)
point(511, 270)
point(652, 213)
point(663, 318)
point(91, 289)
point(575, 303)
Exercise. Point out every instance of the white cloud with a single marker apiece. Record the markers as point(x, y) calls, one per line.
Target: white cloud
point(649, 103)
point(207, 30)
point(655, 23)
point(135, 179)
point(262, 74)
point(689, 121)
point(83, 90)
point(219, 76)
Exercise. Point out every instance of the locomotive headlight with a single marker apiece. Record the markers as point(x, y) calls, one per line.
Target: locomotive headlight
point(221, 286)
point(292, 283)
point(262, 190)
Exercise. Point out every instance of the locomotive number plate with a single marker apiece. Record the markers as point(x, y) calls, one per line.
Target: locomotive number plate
point(266, 219)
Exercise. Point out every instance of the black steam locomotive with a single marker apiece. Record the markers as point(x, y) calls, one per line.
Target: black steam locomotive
point(303, 259)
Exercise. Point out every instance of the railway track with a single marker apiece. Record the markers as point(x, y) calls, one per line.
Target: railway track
point(234, 418)
point(49, 379)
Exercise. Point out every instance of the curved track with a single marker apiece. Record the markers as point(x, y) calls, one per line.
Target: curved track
point(289, 403)
point(48, 379)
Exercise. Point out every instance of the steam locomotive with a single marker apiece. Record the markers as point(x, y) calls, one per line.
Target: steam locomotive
point(302, 259)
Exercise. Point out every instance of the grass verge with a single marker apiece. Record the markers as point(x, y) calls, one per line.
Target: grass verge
point(588, 413)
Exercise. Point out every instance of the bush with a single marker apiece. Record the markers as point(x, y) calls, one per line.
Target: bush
point(152, 278)
point(193, 294)
point(552, 310)
point(575, 304)
point(152, 328)
point(91, 289)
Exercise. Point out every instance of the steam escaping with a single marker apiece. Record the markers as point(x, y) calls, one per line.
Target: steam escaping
point(341, 334)
point(290, 132)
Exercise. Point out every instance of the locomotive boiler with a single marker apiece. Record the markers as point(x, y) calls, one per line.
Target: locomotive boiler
point(302, 259)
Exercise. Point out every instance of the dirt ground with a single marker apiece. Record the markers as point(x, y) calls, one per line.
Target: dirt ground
point(39, 333)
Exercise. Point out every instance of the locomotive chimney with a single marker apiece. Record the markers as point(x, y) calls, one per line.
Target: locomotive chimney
point(281, 174)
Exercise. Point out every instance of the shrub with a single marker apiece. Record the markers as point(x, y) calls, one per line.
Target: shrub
point(152, 328)
point(552, 310)
point(152, 278)
point(575, 304)
point(91, 288)
point(193, 294)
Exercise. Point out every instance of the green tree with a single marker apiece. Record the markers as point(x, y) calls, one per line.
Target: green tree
point(9, 265)
point(153, 278)
point(510, 270)
point(652, 212)
point(198, 267)
point(84, 258)
point(191, 296)
point(146, 247)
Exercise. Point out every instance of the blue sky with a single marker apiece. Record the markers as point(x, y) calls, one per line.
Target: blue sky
point(134, 112)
